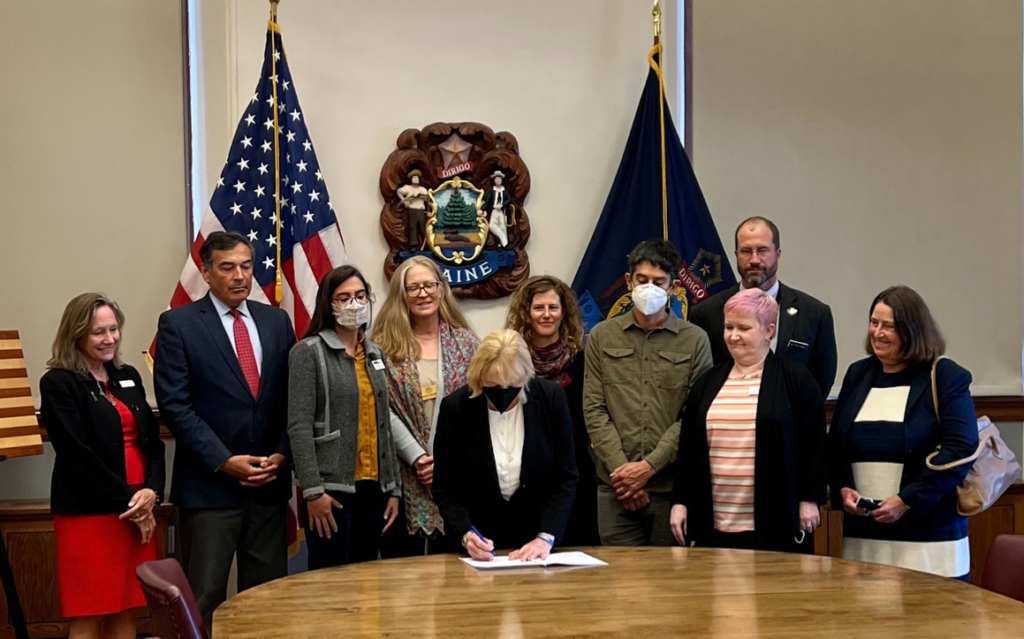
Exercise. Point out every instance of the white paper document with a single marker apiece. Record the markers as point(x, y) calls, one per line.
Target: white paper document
point(574, 558)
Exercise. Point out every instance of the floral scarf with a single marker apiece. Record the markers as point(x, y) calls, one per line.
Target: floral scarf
point(551, 361)
point(455, 348)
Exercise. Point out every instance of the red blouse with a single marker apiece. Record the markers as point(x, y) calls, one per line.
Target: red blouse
point(134, 460)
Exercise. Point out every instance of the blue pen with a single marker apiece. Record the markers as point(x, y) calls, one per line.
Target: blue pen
point(482, 538)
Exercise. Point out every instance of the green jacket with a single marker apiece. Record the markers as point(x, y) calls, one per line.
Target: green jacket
point(635, 386)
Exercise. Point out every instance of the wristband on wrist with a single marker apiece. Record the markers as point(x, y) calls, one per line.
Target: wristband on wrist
point(546, 537)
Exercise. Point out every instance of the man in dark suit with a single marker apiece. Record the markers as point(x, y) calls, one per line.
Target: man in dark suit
point(805, 333)
point(221, 378)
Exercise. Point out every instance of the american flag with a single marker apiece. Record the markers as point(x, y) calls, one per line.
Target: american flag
point(244, 201)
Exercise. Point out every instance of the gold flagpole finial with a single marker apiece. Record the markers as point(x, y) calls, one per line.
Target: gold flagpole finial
point(656, 13)
point(273, 10)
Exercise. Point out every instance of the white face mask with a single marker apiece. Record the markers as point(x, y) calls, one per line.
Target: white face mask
point(351, 314)
point(649, 299)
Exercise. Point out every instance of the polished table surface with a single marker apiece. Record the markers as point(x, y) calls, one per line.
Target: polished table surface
point(643, 592)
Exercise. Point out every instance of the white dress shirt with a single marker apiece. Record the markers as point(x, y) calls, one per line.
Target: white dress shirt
point(224, 312)
point(507, 432)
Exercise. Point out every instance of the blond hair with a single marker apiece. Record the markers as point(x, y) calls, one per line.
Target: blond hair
point(393, 329)
point(74, 327)
point(504, 355)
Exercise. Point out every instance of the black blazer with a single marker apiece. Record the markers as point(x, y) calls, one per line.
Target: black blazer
point(806, 336)
point(466, 487)
point(206, 402)
point(582, 528)
point(790, 453)
point(89, 475)
point(930, 494)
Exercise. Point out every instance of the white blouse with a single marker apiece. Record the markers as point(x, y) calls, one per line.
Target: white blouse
point(507, 432)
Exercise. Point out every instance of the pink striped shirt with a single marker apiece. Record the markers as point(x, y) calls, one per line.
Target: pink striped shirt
point(731, 440)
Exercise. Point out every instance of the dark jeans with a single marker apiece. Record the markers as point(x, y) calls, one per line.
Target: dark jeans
point(360, 522)
point(399, 542)
point(210, 538)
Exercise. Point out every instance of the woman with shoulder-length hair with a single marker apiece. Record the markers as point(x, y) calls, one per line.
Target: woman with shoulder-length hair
point(898, 511)
point(108, 473)
point(339, 424)
point(427, 343)
point(505, 471)
point(752, 449)
point(544, 310)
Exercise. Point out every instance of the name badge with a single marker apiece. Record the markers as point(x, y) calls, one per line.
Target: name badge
point(127, 383)
point(378, 364)
point(753, 390)
point(800, 346)
point(429, 392)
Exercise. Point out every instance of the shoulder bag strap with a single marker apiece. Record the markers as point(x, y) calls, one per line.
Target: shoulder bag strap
point(960, 462)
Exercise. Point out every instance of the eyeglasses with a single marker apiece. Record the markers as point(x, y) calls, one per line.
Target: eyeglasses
point(762, 252)
point(414, 290)
point(345, 298)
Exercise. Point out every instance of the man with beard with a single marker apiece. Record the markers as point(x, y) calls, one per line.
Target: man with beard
point(805, 332)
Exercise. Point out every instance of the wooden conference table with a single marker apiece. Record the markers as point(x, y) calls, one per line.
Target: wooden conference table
point(643, 592)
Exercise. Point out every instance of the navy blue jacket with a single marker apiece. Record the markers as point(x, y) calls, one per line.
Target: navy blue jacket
point(931, 495)
point(206, 402)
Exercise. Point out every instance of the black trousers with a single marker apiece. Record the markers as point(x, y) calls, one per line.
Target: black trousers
point(360, 523)
point(210, 539)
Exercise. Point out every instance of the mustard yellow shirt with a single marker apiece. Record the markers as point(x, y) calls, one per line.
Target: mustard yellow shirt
point(366, 450)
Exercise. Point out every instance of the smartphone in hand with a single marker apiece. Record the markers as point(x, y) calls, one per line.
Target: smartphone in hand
point(869, 504)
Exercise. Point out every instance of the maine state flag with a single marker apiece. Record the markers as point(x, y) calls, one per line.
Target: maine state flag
point(655, 194)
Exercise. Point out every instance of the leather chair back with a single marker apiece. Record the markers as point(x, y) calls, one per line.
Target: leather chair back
point(171, 602)
point(1004, 567)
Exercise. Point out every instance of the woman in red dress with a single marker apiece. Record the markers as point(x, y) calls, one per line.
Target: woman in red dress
point(108, 473)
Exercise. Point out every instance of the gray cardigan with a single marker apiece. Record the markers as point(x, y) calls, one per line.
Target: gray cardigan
point(323, 416)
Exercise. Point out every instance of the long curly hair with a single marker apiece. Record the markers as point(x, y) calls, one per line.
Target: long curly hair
point(393, 329)
point(570, 331)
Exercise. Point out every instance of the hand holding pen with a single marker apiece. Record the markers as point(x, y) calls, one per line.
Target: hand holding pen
point(479, 547)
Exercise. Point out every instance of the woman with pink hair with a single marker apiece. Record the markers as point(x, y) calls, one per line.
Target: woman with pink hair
point(751, 470)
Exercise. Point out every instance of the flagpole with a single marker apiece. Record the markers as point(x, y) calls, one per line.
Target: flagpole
point(275, 29)
point(656, 13)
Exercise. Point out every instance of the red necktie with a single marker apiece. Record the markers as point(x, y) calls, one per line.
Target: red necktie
point(246, 358)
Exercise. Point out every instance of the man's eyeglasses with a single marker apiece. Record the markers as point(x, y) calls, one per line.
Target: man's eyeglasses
point(762, 252)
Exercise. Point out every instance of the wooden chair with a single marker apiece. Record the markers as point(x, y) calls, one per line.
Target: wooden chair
point(1004, 567)
point(171, 602)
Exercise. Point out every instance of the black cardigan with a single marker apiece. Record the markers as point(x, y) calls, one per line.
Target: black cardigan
point(790, 452)
point(466, 487)
point(89, 476)
point(582, 528)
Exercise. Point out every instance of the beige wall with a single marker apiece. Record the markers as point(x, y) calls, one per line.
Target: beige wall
point(92, 164)
point(884, 138)
point(565, 77)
